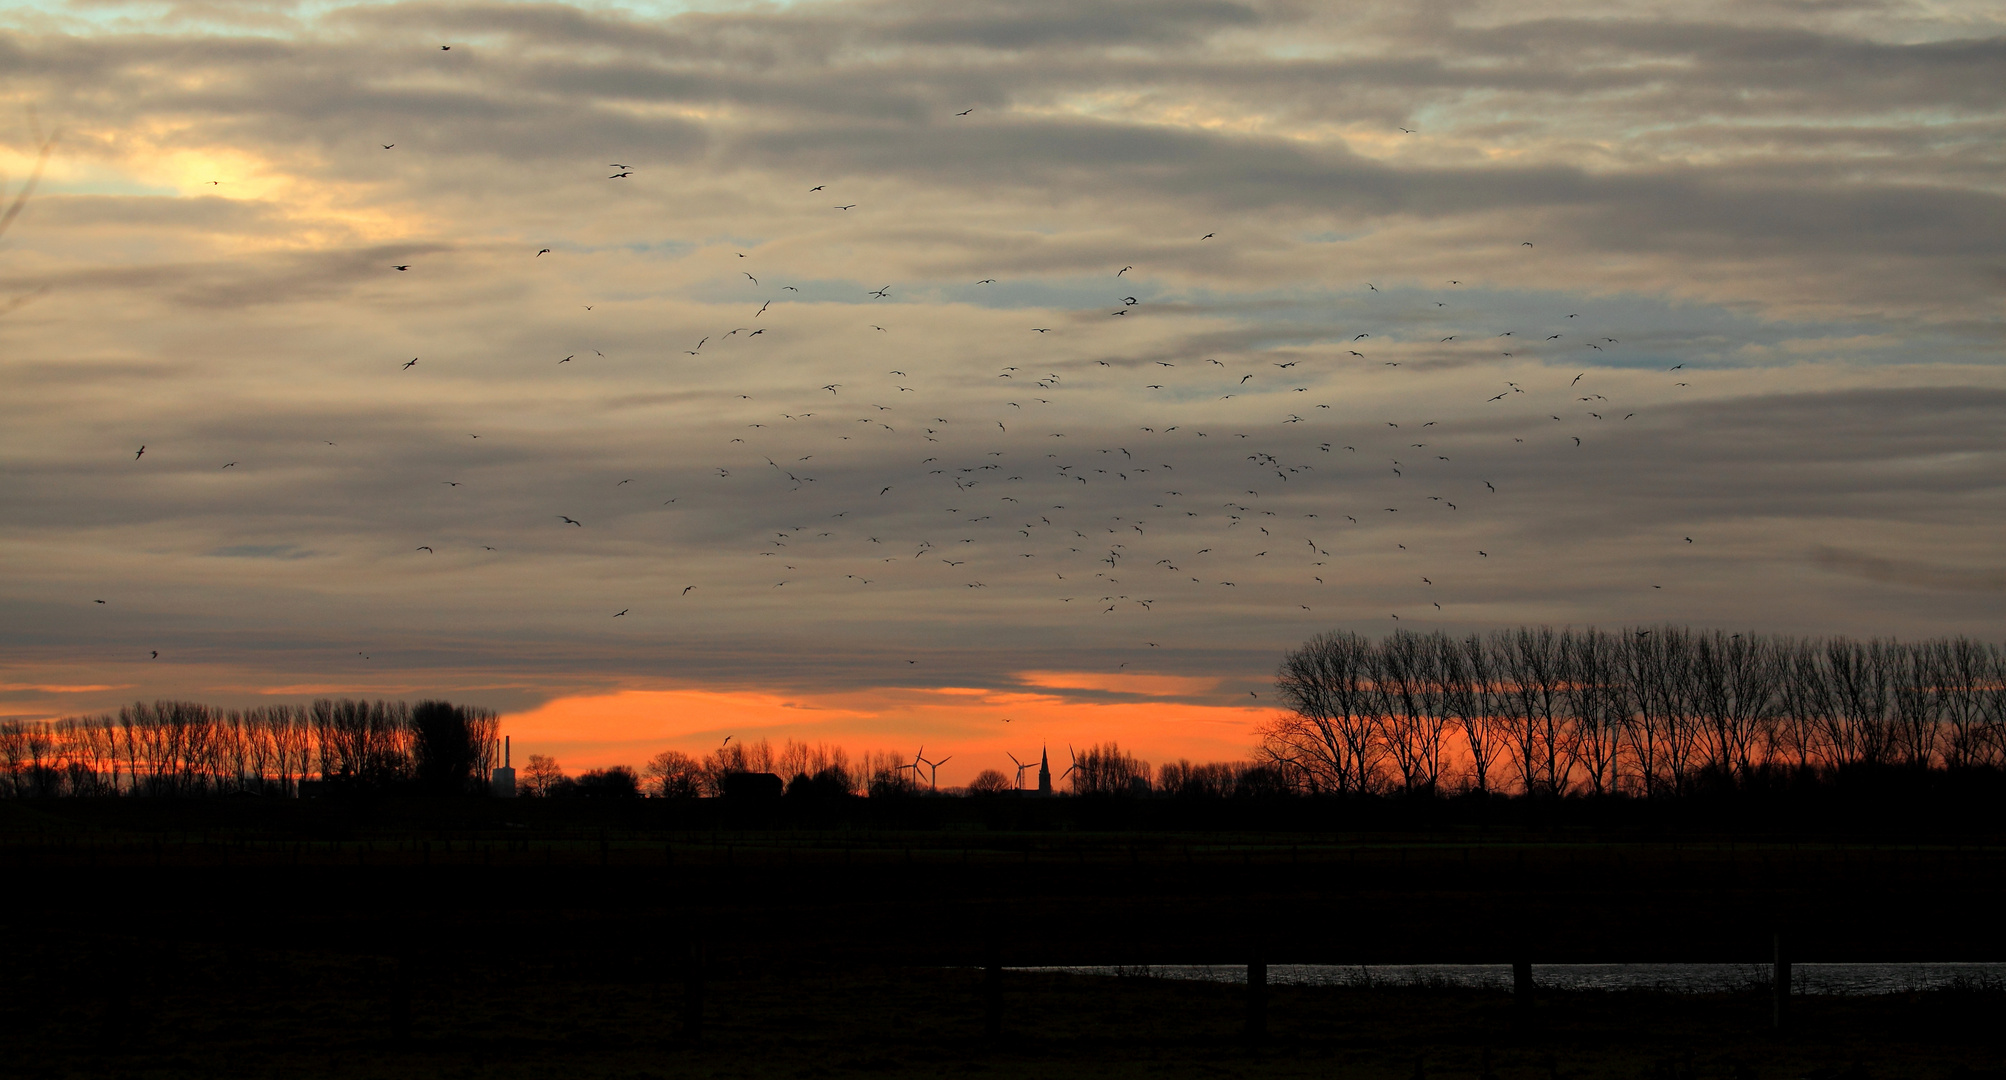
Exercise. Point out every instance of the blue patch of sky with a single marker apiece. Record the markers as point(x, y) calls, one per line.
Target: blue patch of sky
point(1649, 331)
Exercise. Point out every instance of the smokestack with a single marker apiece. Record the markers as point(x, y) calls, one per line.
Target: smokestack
point(502, 783)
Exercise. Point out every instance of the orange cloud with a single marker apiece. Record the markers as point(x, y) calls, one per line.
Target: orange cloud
point(1138, 682)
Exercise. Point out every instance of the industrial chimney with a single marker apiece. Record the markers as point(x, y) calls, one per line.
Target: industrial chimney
point(503, 783)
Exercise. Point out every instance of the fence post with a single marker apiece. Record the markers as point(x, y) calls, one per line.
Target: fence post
point(1779, 988)
point(992, 997)
point(1257, 1000)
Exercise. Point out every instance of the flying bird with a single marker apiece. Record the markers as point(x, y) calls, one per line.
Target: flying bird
point(408, 363)
point(570, 521)
point(140, 453)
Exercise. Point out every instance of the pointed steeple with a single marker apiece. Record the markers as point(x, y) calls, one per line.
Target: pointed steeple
point(1044, 772)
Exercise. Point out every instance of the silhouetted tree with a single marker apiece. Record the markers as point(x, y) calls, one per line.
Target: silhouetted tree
point(442, 749)
point(829, 782)
point(673, 774)
point(1327, 742)
point(1106, 770)
point(989, 782)
point(613, 782)
point(539, 776)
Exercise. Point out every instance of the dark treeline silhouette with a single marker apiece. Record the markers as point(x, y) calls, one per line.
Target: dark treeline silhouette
point(1665, 711)
point(181, 748)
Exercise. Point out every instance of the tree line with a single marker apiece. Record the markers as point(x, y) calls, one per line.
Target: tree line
point(181, 748)
point(1663, 711)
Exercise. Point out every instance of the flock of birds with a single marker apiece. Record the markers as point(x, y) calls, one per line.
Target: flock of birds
point(1207, 496)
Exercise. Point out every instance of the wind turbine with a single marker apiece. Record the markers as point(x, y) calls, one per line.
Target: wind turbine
point(933, 771)
point(916, 759)
point(1021, 767)
point(1075, 766)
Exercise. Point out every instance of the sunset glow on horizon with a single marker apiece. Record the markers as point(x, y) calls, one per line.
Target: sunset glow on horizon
point(980, 728)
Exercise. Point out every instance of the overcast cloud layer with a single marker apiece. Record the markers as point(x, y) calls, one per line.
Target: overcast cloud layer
point(926, 345)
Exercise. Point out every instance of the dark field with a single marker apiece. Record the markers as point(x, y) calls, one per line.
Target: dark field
point(474, 938)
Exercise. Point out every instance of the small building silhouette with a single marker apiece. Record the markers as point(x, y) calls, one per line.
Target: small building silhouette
point(1044, 772)
point(753, 785)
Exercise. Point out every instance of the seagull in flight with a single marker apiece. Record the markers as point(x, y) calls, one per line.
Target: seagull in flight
point(408, 363)
point(750, 278)
point(140, 453)
point(406, 266)
point(388, 145)
point(852, 206)
point(621, 612)
point(570, 521)
point(966, 111)
point(423, 547)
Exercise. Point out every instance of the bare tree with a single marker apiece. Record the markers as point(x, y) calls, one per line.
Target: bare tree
point(1919, 698)
point(1327, 743)
point(1530, 658)
point(541, 776)
point(1734, 691)
point(991, 782)
point(1105, 769)
point(1862, 682)
point(1409, 708)
point(1804, 704)
point(1968, 673)
point(1470, 689)
point(673, 774)
point(1592, 688)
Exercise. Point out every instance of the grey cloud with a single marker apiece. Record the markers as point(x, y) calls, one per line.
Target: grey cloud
point(1919, 575)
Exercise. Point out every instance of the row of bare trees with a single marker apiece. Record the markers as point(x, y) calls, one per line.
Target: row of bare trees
point(186, 748)
point(1658, 711)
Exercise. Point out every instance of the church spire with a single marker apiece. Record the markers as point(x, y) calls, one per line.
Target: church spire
point(1044, 772)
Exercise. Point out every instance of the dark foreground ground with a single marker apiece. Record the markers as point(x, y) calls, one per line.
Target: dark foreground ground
point(310, 1013)
point(223, 938)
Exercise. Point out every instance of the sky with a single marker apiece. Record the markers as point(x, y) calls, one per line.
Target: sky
point(975, 376)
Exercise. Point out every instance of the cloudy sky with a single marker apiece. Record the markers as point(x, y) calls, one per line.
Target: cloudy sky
point(911, 368)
